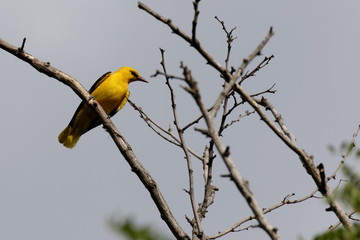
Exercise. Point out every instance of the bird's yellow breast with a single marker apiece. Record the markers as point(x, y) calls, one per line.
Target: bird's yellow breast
point(111, 92)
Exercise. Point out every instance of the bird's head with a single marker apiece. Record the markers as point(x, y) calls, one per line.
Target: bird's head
point(131, 74)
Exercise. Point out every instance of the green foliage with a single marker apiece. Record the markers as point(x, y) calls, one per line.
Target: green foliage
point(342, 234)
point(345, 147)
point(349, 194)
point(131, 231)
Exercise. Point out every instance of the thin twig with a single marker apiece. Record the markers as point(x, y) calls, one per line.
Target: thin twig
point(286, 201)
point(247, 113)
point(278, 118)
point(195, 20)
point(158, 72)
point(159, 130)
point(198, 229)
point(210, 190)
point(21, 49)
point(194, 121)
point(229, 39)
point(257, 68)
point(233, 78)
point(345, 156)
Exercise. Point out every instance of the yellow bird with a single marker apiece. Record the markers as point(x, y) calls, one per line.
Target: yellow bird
point(111, 91)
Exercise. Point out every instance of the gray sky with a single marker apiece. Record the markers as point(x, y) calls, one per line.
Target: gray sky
point(50, 192)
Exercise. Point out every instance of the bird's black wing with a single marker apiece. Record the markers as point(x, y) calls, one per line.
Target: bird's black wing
point(99, 81)
point(94, 86)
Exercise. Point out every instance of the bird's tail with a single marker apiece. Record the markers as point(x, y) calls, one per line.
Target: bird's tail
point(68, 138)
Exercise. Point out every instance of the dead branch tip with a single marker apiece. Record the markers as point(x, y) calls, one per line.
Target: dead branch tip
point(21, 49)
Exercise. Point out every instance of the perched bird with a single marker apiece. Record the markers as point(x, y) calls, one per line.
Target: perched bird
point(111, 91)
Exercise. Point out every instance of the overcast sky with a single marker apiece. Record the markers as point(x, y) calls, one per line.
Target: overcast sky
point(50, 192)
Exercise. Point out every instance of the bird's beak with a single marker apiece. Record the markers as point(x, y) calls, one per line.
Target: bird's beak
point(141, 79)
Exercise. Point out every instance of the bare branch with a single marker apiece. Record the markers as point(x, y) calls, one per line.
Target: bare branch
point(269, 90)
point(209, 193)
point(197, 230)
point(239, 181)
point(260, 66)
point(195, 20)
point(21, 49)
point(285, 201)
point(256, 52)
point(247, 113)
point(195, 121)
point(159, 130)
point(232, 79)
point(158, 72)
point(278, 118)
point(187, 38)
point(119, 140)
point(230, 39)
point(345, 156)
point(257, 68)
point(306, 160)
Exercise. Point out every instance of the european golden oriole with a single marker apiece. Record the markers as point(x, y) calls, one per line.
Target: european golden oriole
point(111, 92)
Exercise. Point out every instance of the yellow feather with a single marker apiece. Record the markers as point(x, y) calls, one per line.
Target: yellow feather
point(111, 91)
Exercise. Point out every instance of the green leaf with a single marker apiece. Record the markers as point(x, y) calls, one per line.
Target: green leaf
point(352, 233)
point(331, 148)
point(131, 231)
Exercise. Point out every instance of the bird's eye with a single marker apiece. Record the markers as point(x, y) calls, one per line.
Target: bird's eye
point(134, 74)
